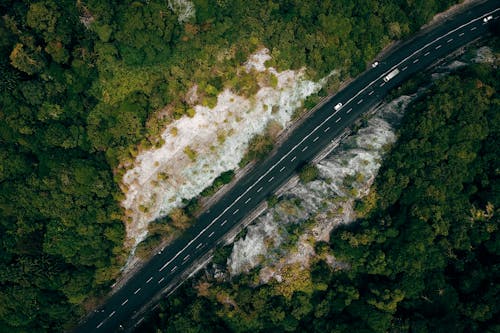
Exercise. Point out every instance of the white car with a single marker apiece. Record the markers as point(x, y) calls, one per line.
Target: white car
point(487, 18)
point(375, 64)
point(338, 106)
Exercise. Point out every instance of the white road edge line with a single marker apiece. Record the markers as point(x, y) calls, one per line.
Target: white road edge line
point(312, 132)
point(125, 302)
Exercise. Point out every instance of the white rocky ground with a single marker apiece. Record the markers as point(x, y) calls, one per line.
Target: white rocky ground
point(328, 199)
point(219, 137)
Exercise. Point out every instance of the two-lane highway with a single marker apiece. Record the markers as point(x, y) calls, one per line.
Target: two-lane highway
point(122, 309)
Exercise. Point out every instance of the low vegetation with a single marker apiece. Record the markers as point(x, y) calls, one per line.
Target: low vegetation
point(86, 85)
point(421, 259)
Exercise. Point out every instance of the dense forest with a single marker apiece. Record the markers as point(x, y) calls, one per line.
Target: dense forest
point(424, 254)
point(82, 85)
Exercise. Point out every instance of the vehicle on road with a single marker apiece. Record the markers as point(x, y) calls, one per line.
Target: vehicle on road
point(338, 106)
point(487, 18)
point(391, 74)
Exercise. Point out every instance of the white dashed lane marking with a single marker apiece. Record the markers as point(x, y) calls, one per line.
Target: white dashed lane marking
point(173, 269)
point(311, 133)
point(199, 245)
point(349, 110)
point(211, 234)
point(326, 129)
point(416, 60)
point(370, 93)
point(305, 148)
point(404, 68)
point(438, 47)
point(149, 280)
point(293, 158)
point(125, 302)
point(186, 257)
point(382, 84)
point(316, 139)
point(161, 280)
point(248, 200)
point(270, 179)
point(338, 120)
point(473, 28)
point(426, 54)
point(282, 168)
point(449, 40)
point(111, 314)
point(360, 101)
point(461, 34)
point(224, 222)
point(236, 211)
point(138, 289)
point(260, 189)
point(100, 324)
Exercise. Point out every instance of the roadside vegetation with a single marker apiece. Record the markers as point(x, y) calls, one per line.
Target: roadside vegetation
point(86, 85)
point(421, 259)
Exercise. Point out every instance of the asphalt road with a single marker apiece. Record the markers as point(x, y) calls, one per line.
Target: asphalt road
point(121, 312)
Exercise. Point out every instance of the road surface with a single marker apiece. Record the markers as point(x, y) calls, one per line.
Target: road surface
point(121, 311)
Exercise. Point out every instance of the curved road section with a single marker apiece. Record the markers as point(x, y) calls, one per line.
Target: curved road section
point(122, 311)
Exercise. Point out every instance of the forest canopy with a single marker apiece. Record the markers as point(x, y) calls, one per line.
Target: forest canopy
point(82, 85)
point(424, 256)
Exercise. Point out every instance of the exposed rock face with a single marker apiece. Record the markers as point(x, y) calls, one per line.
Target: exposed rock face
point(198, 149)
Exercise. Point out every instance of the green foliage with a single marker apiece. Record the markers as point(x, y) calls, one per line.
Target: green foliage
point(192, 154)
point(308, 173)
point(422, 258)
point(259, 147)
point(221, 254)
point(272, 200)
point(60, 230)
point(83, 85)
point(224, 178)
